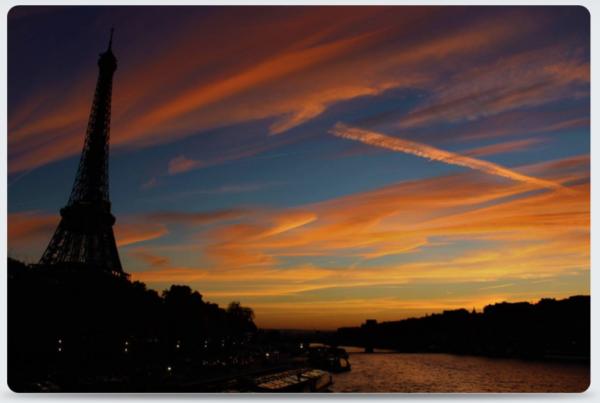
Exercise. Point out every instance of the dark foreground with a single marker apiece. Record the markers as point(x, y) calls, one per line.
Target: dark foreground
point(77, 330)
point(549, 329)
point(72, 329)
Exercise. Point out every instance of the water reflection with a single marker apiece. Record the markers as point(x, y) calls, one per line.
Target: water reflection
point(393, 372)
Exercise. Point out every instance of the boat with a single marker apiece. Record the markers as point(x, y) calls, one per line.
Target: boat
point(296, 380)
point(333, 359)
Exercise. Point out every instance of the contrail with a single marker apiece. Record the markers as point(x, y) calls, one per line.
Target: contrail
point(436, 154)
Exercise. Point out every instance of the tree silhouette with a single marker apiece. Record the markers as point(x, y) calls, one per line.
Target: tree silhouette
point(71, 324)
point(242, 318)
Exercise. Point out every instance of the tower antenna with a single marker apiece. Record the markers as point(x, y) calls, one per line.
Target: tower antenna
point(112, 30)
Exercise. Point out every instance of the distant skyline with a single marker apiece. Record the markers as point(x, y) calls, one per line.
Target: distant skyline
point(322, 165)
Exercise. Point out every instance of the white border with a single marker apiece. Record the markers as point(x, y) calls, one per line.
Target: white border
point(592, 394)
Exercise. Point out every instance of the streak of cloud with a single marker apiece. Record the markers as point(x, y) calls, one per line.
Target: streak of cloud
point(129, 233)
point(34, 228)
point(182, 164)
point(195, 218)
point(506, 147)
point(436, 154)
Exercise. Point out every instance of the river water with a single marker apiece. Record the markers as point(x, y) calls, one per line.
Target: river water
point(395, 372)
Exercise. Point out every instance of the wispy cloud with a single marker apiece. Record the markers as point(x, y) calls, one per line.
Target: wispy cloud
point(151, 259)
point(519, 236)
point(149, 184)
point(316, 63)
point(523, 79)
point(129, 232)
point(29, 231)
point(505, 147)
point(236, 188)
point(182, 164)
point(436, 154)
point(195, 218)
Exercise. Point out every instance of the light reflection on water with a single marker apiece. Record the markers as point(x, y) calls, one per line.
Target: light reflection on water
point(395, 372)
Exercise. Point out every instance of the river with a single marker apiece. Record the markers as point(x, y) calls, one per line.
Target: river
point(395, 372)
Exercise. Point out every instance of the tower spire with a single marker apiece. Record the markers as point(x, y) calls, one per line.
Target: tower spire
point(85, 235)
point(112, 30)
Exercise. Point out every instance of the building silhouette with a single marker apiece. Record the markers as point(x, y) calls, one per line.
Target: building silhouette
point(84, 236)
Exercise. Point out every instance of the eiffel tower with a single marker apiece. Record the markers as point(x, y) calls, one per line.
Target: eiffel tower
point(85, 235)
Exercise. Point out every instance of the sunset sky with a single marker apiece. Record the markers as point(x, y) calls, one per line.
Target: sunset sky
point(323, 165)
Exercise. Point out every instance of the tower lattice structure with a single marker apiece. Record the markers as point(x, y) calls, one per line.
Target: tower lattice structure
point(85, 235)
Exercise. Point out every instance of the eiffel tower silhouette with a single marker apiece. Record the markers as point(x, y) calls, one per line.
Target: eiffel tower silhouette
point(84, 236)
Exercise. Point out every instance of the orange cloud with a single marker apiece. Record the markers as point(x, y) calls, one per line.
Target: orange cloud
point(402, 218)
point(151, 259)
point(505, 147)
point(182, 164)
point(436, 154)
point(521, 235)
point(30, 231)
point(129, 233)
point(228, 248)
point(269, 275)
point(312, 106)
point(313, 65)
point(28, 225)
point(274, 68)
point(526, 235)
